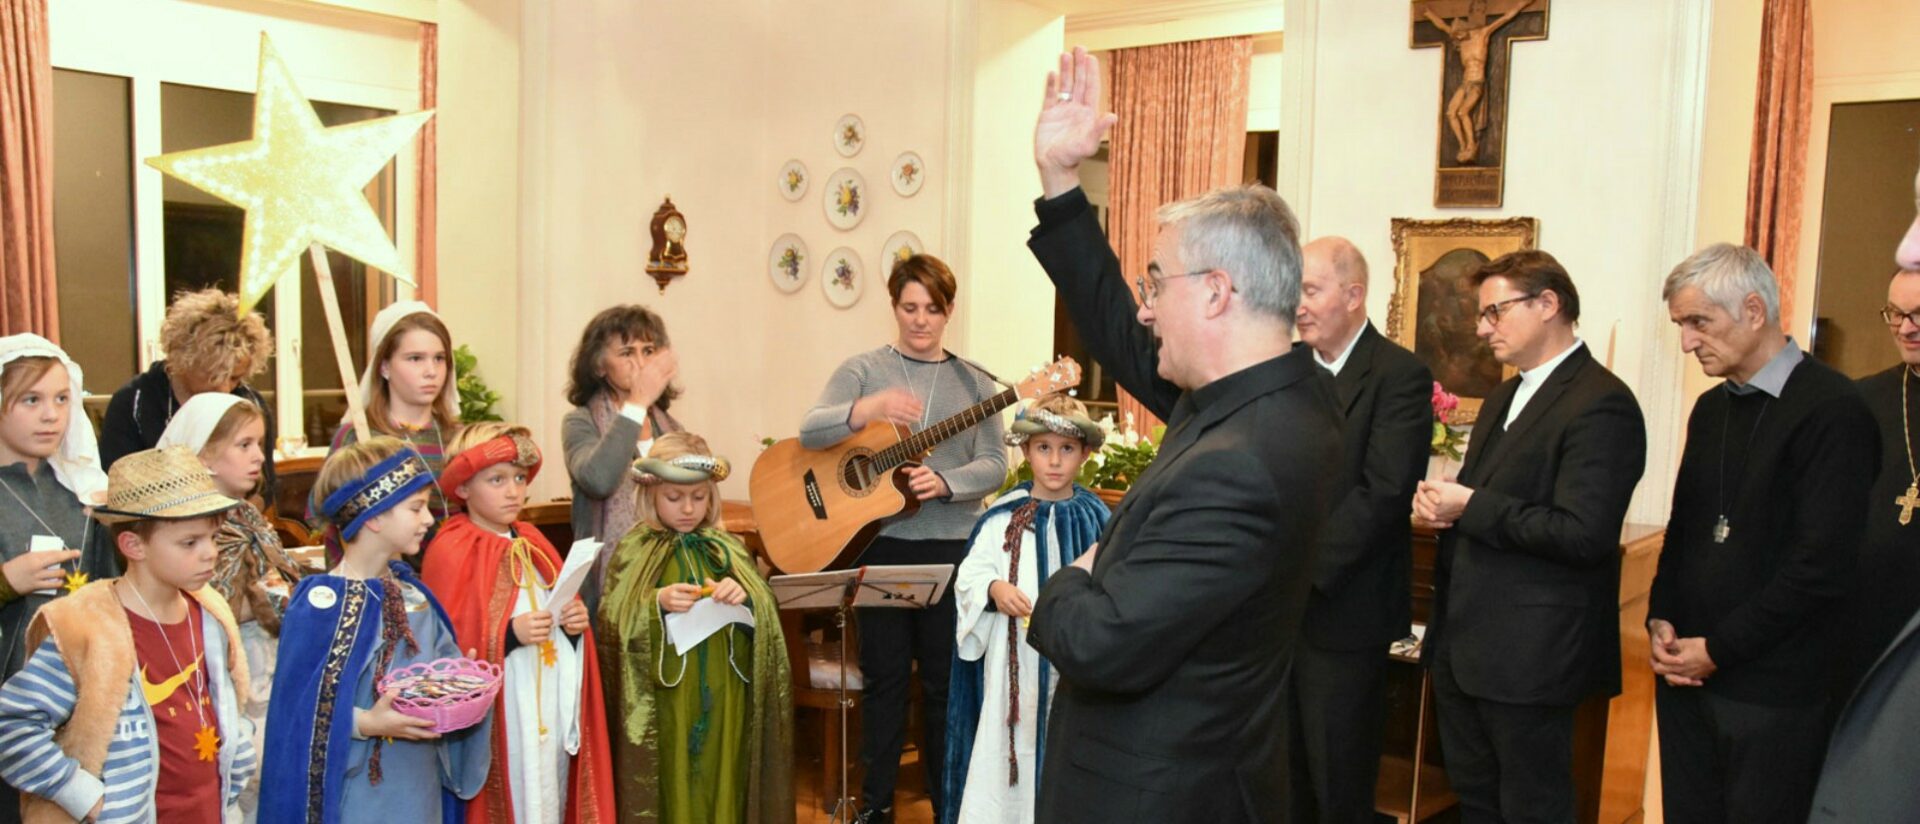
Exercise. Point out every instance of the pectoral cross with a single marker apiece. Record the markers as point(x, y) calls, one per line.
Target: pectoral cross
point(1477, 38)
point(1721, 530)
point(1907, 502)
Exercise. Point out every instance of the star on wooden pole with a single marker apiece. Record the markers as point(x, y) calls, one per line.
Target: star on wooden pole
point(301, 184)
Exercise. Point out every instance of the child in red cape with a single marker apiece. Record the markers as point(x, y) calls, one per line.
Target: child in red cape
point(495, 576)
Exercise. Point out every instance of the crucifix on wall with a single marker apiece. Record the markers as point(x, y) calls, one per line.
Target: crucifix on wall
point(1477, 37)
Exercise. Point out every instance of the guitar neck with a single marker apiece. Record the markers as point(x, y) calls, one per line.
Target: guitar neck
point(920, 442)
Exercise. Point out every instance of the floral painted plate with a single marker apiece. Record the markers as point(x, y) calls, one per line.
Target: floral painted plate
point(787, 263)
point(900, 246)
point(841, 278)
point(849, 135)
point(793, 180)
point(845, 198)
point(909, 173)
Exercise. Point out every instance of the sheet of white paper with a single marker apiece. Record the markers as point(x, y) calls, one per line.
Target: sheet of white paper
point(573, 573)
point(47, 543)
point(687, 629)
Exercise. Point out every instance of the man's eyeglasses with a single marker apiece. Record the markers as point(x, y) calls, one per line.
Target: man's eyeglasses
point(1493, 312)
point(1894, 317)
point(1150, 285)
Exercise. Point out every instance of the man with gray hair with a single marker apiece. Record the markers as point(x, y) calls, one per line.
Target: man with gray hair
point(1768, 514)
point(1173, 637)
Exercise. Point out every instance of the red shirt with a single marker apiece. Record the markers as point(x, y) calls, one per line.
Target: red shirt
point(173, 680)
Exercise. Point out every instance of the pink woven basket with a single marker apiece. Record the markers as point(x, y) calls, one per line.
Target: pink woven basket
point(453, 693)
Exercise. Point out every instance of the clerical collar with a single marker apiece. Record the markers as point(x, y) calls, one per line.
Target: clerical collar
point(1534, 376)
point(1772, 378)
point(1340, 362)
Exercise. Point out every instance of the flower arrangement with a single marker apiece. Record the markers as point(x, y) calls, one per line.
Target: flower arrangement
point(794, 180)
point(850, 136)
point(790, 262)
point(843, 274)
point(1448, 440)
point(908, 171)
point(847, 200)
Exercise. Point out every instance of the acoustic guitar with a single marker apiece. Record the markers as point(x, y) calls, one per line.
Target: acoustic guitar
point(818, 509)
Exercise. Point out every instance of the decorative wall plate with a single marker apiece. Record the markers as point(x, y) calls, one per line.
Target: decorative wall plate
point(899, 246)
point(842, 277)
point(849, 135)
point(845, 198)
point(909, 172)
point(787, 263)
point(793, 180)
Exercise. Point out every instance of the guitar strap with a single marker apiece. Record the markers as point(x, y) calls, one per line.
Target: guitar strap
point(973, 387)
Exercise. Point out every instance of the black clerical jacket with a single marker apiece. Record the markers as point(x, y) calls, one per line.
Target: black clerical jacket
point(1173, 653)
point(1526, 607)
point(1360, 584)
point(1885, 589)
point(1767, 599)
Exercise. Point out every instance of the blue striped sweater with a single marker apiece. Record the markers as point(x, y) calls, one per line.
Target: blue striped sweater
point(38, 700)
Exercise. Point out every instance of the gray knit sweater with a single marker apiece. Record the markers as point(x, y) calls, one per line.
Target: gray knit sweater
point(973, 463)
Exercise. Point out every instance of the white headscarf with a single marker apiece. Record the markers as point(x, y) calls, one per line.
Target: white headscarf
point(76, 464)
point(193, 424)
point(383, 324)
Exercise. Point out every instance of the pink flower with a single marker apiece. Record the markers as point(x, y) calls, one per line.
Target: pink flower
point(1443, 401)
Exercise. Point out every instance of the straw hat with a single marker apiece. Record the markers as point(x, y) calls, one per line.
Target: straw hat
point(165, 483)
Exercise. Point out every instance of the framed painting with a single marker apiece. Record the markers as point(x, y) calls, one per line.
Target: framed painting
point(1435, 307)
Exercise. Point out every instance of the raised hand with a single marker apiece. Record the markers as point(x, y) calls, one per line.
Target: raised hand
point(651, 379)
point(1070, 125)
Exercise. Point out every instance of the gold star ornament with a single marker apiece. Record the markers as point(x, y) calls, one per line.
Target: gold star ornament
point(206, 743)
point(75, 580)
point(300, 182)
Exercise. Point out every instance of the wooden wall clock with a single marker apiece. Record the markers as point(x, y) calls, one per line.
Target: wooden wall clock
point(668, 257)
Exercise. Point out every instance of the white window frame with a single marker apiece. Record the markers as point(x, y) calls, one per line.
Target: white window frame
point(153, 42)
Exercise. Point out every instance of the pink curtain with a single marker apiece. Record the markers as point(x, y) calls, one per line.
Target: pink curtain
point(1777, 169)
point(427, 258)
point(1182, 132)
point(29, 300)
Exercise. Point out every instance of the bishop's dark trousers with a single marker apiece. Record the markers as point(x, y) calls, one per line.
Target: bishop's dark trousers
point(1339, 713)
point(1508, 763)
point(1731, 762)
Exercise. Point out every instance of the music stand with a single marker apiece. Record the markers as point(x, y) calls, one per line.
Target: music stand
point(906, 587)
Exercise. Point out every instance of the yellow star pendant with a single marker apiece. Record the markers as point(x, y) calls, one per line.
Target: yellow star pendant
point(75, 580)
point(548, 656)
point(206, 743)
point(299, 182)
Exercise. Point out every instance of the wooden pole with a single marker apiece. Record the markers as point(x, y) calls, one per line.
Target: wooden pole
point(336, 328)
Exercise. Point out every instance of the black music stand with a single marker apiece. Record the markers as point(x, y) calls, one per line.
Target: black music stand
point(904, 587)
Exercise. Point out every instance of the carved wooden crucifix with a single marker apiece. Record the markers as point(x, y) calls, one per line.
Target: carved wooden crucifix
point(1477, 37)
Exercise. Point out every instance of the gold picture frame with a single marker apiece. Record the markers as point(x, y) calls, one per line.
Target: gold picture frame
point(1435, 307)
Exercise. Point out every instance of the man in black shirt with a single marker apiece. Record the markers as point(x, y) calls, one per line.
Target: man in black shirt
point(1768, 512)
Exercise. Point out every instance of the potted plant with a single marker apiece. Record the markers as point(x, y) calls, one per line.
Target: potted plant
point(1449, 441)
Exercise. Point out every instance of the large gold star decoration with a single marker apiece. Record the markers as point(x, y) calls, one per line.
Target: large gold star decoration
point(299, 182)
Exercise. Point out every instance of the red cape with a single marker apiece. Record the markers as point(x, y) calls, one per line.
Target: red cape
point(466, 568)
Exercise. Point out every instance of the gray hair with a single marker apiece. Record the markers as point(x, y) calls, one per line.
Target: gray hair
point(1248, 232)
point(1727, 274)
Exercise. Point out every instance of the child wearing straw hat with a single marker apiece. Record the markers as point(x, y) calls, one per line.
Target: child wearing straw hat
point(128, 709)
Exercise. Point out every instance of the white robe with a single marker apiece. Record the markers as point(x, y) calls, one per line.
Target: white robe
point(982, 636)
point(538, 775)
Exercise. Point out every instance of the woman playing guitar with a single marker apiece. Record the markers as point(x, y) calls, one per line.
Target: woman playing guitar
point(912, 382)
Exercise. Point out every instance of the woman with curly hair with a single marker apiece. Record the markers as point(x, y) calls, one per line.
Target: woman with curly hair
point(210, 347)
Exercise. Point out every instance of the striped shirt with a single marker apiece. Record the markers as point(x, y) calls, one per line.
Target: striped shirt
point(36, 702)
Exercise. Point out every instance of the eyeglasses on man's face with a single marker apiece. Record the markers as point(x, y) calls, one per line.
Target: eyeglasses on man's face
point(1153, 282)
point(1493, 312)
point(1894, 317)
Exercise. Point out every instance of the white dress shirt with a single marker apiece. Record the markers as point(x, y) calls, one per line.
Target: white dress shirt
point(1530, 381)
point(1346, 353)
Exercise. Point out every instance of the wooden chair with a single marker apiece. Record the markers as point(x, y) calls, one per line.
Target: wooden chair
point(292, 531)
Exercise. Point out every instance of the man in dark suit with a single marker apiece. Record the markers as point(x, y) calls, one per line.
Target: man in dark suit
point(1525, 618)
point(1173, 637)
point(1359, 604)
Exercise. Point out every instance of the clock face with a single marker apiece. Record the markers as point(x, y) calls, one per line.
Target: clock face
point(675, 228)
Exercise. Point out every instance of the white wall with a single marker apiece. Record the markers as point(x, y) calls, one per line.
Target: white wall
point(1596, 146)
point(625, 103)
